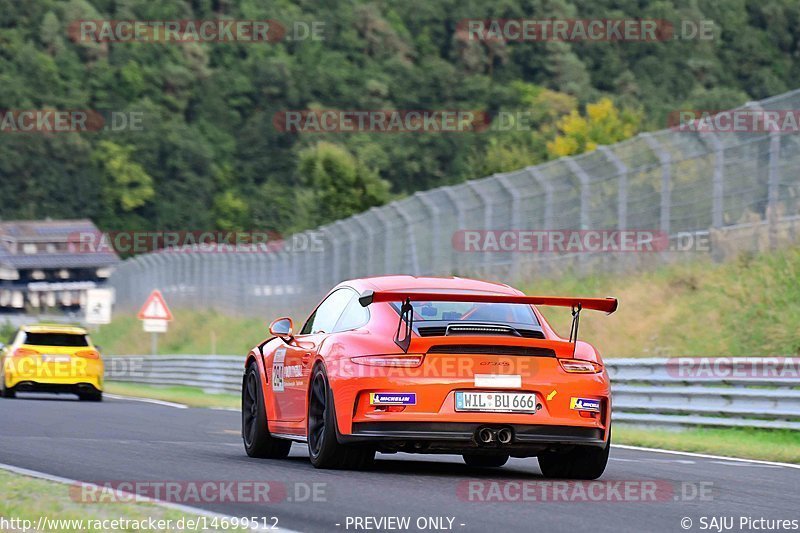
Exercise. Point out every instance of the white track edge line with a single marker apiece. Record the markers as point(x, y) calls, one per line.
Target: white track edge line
point(704, 455)
point(146, 400)
point(143, 499)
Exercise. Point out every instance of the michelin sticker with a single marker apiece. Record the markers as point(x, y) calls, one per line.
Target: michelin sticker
point(392, 398)
point(585, 404)
point(277, 369)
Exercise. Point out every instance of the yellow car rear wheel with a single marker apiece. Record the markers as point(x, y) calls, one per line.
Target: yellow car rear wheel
point(90, 396)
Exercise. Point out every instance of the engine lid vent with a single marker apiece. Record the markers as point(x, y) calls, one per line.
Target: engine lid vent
point(480, 329)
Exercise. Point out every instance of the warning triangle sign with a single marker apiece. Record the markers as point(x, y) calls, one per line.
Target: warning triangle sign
point(155, 308)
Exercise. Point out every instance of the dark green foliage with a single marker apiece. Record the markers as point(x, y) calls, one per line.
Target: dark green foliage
point(208, 155)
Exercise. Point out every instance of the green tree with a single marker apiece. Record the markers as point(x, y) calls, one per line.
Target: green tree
point(602, 123)
point(336, 184)
point(126, 184)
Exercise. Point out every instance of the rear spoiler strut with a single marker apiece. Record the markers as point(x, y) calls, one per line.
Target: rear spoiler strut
point(609, 305)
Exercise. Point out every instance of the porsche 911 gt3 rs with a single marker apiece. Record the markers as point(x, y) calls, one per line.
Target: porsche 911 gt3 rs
point(430, 365)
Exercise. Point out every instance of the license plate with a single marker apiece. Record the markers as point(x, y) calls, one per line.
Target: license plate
point(496, 402)
point(50, 358)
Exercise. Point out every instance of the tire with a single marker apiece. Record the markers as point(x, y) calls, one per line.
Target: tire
point(91, 396)
point(324, 449)
point(581, 462)
point(255, 432)
point(6, 392)
point(486, 461)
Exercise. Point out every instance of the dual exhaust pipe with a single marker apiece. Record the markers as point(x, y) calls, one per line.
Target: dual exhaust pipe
point(486, 435)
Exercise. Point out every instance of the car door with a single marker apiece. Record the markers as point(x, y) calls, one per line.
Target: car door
point(299, 356)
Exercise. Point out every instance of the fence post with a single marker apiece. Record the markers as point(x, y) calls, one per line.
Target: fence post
point(718, 184)
point(773, 188)
point(487, 220)
point(411, 240)
point(622, 186)
point(549, 194)
point(665, 159)
point(369, 270)
point(454, 200)
point(351, 238)
point(336, 263)
point(516, 207)
point(436, 236)
point(323, 259)
point(379, 214)
point(583, 177)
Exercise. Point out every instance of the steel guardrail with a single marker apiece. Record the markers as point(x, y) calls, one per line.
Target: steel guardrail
point(758, 392)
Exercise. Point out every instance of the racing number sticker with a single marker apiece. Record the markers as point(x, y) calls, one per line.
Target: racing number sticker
point(277, 369)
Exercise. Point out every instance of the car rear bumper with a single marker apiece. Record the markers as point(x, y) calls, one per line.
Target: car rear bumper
point(57, 388)
point(466, 432)
point(32, 374)
point(459, 437)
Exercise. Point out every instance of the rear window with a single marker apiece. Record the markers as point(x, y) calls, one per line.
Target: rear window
point(56, 339)
point(472, 312)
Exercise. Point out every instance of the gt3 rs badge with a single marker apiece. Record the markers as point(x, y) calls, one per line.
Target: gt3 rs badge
point(585, 404)
point(392, 398)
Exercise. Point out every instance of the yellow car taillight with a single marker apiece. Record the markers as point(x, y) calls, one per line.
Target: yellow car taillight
point(88, 354)
point(578, 366)
point(25, 352)
point(404, 360)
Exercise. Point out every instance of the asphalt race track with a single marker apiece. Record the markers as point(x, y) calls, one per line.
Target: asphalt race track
point(136, 441)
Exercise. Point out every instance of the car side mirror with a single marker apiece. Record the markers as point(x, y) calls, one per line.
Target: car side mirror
point(283, 328)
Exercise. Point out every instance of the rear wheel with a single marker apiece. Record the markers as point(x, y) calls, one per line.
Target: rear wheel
point(255, 432)
point(581, 462)
point(6, 392)
point(489, 461)
point(324, 449)
point(90, 396)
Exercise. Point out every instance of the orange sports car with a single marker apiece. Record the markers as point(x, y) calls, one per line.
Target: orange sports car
point(431, 365)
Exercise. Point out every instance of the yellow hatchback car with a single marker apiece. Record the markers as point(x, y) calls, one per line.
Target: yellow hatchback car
point(52, 358)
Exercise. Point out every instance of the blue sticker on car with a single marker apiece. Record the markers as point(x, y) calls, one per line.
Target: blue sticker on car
point(392, 398)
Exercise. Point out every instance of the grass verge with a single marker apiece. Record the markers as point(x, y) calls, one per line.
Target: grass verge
point(191, 332)
point(768, 445)
point(697, 308)
point(190, 396)
point(27, 499)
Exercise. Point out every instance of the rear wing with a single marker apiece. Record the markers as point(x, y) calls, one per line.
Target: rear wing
point(609, 305)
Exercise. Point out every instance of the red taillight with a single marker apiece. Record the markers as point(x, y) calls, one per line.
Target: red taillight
point(404, 361)
point(25, 352)
point(88, 354)
point(578, 366)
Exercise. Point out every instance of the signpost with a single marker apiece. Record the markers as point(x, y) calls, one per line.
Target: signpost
point(98, 306)
point(155, 315)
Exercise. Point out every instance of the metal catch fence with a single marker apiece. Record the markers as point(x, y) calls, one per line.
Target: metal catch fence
point(732, 191)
